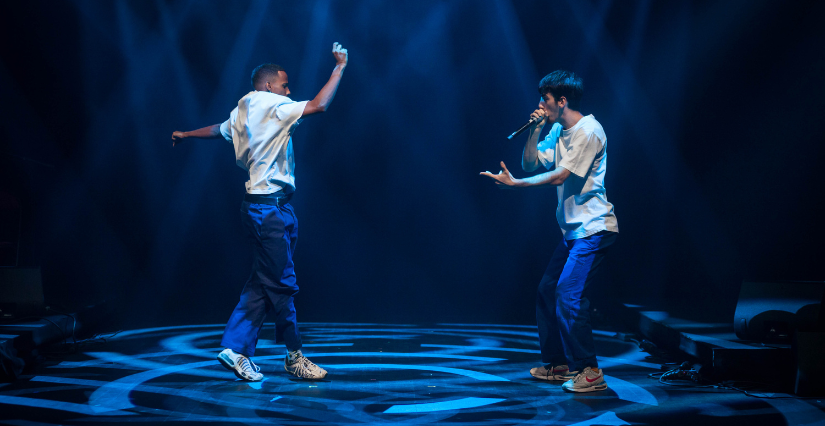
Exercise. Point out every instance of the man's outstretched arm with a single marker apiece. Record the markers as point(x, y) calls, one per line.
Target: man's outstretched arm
point(505, 180)
point(208, 132)
point(327, 93)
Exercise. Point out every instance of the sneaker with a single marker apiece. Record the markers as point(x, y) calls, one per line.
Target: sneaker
point(553, 372)
point(304, 368)
point(242, 366)
point(586, 381)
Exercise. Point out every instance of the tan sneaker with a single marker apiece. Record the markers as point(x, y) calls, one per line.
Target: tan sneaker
point(304, 368)
point(586, 381)
point(553, 372)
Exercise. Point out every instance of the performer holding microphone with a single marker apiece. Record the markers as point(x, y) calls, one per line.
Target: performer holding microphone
point(575, 154)
point(260, 129)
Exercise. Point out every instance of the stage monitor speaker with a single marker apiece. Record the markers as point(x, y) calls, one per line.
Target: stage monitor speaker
point(808, 348)
point(772, 312)
point(21, 292)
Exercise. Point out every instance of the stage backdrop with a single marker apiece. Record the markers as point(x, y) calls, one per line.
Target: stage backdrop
point(712, 112)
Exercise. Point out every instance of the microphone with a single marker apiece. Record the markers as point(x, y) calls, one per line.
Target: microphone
point(532, 121)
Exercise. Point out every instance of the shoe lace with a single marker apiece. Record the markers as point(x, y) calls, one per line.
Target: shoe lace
point(583, 375)
point(247, 366)
point(304, 365)
point(309, 365)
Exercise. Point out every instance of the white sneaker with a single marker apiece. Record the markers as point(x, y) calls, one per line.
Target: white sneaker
point(553, 372)
point(304, 368)
point(242, 366)
point(586, 381)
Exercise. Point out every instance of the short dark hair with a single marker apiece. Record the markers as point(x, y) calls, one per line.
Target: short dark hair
point(563, 83)
point(263, 72)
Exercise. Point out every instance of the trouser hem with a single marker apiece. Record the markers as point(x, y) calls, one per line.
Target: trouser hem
point(246, 351)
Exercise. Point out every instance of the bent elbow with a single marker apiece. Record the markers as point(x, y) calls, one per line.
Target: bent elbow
point(559, 180)
point(314, 108)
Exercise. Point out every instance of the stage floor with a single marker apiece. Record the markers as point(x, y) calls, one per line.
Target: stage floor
point(464, 374)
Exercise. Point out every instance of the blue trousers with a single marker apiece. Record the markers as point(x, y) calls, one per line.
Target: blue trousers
point(562, 307)
point(271, 285)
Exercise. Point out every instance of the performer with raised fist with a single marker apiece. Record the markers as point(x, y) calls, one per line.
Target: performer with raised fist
point(260, 130)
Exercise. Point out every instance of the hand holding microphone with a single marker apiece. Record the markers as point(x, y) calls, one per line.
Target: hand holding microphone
point(537, 117)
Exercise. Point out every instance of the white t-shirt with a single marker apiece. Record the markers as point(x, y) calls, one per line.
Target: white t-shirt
point(260, 129)
point(582, 149)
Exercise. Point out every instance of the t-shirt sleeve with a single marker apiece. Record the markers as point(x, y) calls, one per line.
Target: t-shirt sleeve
point(226, 130)
point(583, 149)
point(289, 112)
point(547, 149)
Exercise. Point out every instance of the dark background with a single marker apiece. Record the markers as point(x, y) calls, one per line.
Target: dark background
point(712, 111)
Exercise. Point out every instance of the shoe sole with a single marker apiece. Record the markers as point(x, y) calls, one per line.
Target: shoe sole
point(551, 378)
point(227, 363)
point(600, 387)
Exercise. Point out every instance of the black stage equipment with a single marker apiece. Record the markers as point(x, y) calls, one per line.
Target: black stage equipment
point(21, 293)
point(808, 348)
point(771, 312)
